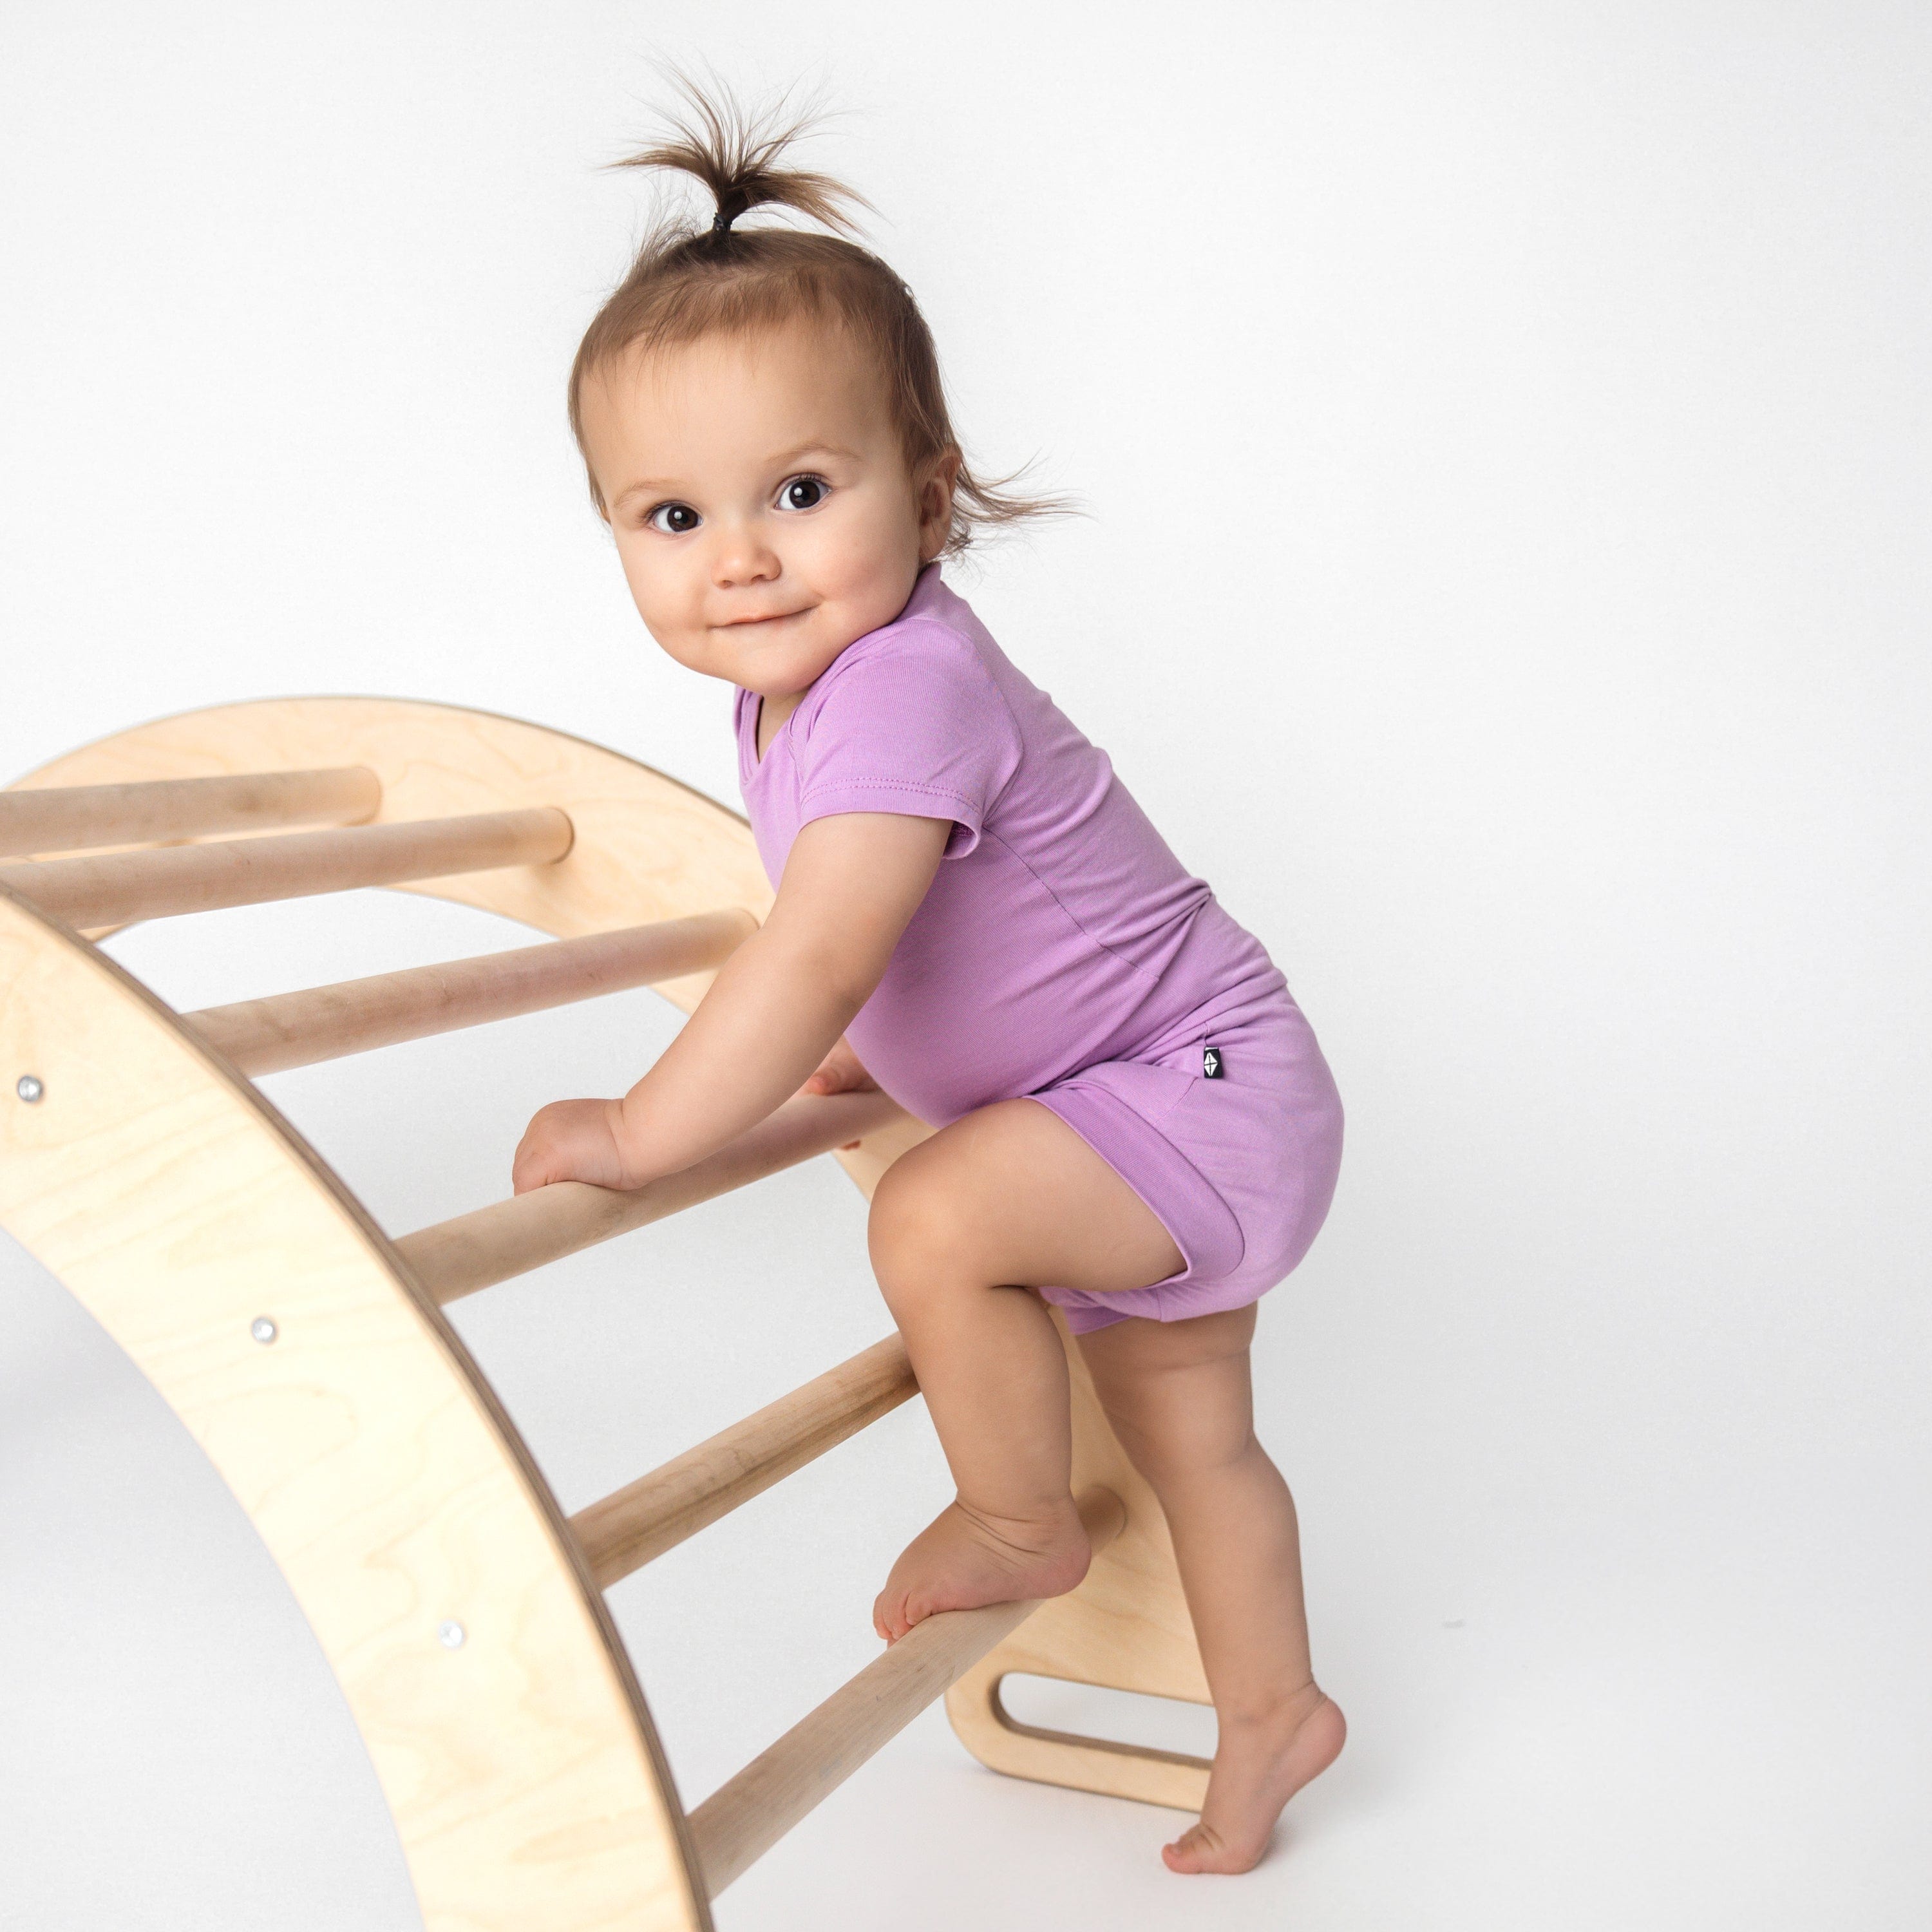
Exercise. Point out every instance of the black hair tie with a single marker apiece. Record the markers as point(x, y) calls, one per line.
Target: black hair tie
point(730, 205)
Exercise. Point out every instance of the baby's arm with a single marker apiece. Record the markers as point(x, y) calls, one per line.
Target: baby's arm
point(778, 1006)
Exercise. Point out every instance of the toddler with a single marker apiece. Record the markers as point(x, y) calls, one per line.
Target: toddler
point(1134, 1120)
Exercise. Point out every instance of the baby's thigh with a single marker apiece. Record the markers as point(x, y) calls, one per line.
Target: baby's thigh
point(1010, 1194)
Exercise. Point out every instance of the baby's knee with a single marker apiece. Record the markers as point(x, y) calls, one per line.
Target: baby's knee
point(918, 1230)
point(1174, 1445)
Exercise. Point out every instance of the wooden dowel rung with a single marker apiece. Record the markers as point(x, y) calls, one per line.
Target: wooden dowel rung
point(626, 1530)
point(355, 1015)
point(741, 1821)
point(162, 880)
point(510, 1237)
point(66, 818)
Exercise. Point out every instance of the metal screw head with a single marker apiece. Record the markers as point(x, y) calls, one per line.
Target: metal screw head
point(262, 1329)
point(450, 1634)
point(29, 1089)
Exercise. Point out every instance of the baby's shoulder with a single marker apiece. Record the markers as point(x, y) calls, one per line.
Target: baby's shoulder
point(924, 658)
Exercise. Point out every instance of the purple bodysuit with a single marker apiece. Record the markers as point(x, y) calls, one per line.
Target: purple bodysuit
point(1062, 954)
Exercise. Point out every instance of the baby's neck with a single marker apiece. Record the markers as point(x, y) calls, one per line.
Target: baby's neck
point(772, 712)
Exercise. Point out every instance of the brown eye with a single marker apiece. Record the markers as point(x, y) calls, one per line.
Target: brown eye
point(674, 519)
point(801, 493)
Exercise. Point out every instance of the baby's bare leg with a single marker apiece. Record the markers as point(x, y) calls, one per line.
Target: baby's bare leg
point(1006, 1199)
point(1179, 1397)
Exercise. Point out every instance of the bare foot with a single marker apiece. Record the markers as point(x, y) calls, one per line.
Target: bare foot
point(962, 1559)
point(1260, 1765)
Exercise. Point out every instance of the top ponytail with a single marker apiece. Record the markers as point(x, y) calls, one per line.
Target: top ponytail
point(688, 280)
point(735, 155)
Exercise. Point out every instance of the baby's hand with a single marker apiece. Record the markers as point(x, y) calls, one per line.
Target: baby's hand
point(569, 1140)
point(839, 1073)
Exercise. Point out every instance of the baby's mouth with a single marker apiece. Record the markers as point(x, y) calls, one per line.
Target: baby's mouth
point(776, 617)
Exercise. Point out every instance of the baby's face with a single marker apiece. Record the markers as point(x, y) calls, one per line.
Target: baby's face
point(760, 502)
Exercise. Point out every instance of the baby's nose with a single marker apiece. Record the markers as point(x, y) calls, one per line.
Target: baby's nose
point(743, 559)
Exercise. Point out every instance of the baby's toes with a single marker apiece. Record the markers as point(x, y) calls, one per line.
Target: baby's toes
point(888, 1617)
point(1195, 1850)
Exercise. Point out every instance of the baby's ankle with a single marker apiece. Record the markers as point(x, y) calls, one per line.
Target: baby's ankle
point(1271, 1708)
point(1049, 1525)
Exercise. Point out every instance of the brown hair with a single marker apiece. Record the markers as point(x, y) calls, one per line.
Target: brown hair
point(687, 282)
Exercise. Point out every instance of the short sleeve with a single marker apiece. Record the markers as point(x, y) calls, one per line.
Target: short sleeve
point(917, 726)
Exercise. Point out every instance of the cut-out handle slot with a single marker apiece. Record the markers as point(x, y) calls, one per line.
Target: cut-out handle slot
point(1095, 1718)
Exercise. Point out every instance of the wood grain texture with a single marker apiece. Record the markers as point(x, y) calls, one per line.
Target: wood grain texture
point(266, 1035)
point(741, 1821)
point(1126, 1627)
point(159, 882)
point(172, 1201)
point(69, 818)
point(627, 1529)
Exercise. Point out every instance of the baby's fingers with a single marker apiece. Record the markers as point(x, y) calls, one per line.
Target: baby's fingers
point(840, 1072)
point(527, 1168)
point(538, 1159)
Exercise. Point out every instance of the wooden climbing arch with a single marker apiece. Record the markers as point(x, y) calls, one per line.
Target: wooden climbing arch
point(306, 1349)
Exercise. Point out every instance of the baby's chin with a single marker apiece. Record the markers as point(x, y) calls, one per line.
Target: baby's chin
point(788, 655)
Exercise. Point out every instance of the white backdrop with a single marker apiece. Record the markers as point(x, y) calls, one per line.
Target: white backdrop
point(1504, 429)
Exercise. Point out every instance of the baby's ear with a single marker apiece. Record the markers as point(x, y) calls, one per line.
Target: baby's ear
point(935, 503)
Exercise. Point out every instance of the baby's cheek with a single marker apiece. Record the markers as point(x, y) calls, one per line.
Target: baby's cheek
point(867, 579)
point(668, 614)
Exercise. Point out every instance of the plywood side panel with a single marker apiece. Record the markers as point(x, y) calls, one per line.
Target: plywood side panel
point(521, 1765)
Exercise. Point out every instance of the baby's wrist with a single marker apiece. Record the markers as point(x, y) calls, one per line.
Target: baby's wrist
point(633, 1170)
point(636, 1140)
